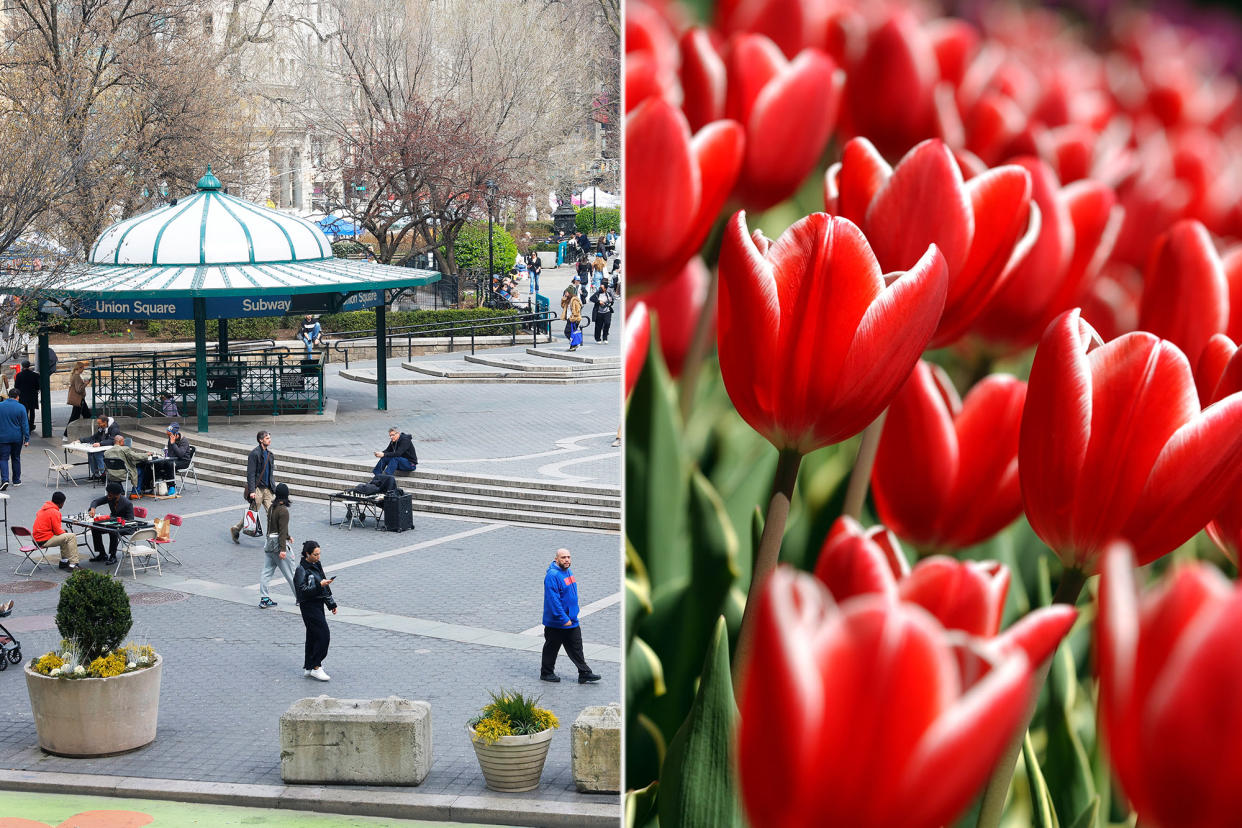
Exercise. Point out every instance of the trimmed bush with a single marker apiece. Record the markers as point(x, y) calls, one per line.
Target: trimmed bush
point(471, 248)
point(94, 612)
point(347, 247)
point(251, 327)
point(606, 219)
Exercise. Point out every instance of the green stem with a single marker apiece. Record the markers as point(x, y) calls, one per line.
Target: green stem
point(860, 477)
point(769, 549)
point(992, 807)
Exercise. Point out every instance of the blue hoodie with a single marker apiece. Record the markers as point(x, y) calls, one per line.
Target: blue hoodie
point(560, 597)
point(14, 422)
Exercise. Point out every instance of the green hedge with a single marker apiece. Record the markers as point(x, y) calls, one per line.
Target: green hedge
point(606, 218)
point(471, 248)
point(364, 320)
point(254, 327)
point(345, 248)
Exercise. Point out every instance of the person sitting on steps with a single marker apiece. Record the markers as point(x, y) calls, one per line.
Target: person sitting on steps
point(398, 456)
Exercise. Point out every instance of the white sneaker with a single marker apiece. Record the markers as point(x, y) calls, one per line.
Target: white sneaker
point(318, 673)
point(306, 673)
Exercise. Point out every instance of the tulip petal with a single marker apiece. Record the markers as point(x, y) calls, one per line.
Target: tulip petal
point(851, 564)
point(1185, 295)
point(961, 597)
point(1056, 428)
point(1194, 476)
point(862, 173)
point(658, 163)
point(678, 305)
point(718, 149)
point(637, 340)
point(703, 80)
point(1039, 632)
point(1217, 357)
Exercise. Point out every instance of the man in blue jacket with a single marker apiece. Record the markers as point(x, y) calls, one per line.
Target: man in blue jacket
point(14, 433)
point(560, 620)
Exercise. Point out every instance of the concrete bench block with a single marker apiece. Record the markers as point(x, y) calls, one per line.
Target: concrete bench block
point(595, 748)
point(356, 741)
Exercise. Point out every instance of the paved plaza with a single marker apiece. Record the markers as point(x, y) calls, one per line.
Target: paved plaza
point(442, 614)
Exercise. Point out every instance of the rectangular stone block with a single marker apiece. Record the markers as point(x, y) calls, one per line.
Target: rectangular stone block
point(595, 749)
point(356, 741)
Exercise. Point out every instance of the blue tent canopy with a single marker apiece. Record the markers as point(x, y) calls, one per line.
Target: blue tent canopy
point(339, 228)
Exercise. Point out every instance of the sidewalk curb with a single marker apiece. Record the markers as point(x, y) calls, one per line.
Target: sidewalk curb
point(374, 802)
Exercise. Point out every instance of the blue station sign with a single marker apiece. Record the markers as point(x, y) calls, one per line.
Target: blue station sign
point(224, 307)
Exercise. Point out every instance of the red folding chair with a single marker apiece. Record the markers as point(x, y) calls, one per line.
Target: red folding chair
point(28, 546)
point(140, 511)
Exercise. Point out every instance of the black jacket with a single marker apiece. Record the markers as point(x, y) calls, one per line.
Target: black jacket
point(306, 580)
point(603, 302)
point(403, 446)
point(121, 509)
point(27, 384)
point(104, 436)
point(254, 469)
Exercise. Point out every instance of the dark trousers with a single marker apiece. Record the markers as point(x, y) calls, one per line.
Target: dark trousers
point(82, 411)
point(392, 465)
point(13, 452)
point(568, 637)
point(31, 408)
point(317, 633)
point(113, 539)
point(603, 322)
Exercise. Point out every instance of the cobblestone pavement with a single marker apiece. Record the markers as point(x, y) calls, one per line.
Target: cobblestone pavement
point(443, 613)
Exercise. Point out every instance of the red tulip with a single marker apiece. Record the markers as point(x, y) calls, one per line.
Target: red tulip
point(946, 472)
point(1170, 674)
point(793, 25)
point(788, 108)
point(1114, 446)
point(637, 341)
point(962, 595)
point(860, 714)
point(677, 306)
point(650, 55)
point(1232, 262)
point(1078, 225)
point(983, 227)
point(812, 343)
point(1185, 295)
point(675, 187)
point(1218, 375)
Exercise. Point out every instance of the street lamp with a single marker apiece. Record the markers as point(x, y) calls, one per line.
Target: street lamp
point(491, 209)
point(595, 182)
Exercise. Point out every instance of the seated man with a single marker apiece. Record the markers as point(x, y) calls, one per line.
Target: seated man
point(178, 454)
point(105, 430)
point(118, 507)
point(399, 456)
point(128, 455)
point(48, 531)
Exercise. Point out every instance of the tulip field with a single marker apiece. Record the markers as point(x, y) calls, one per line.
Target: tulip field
point(933, 480)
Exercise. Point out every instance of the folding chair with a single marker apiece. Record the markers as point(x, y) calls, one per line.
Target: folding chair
point(189, 470)
point(162, 543)
point(139, 545)
point(116, 464)
point(62, 470)
point(27, 545)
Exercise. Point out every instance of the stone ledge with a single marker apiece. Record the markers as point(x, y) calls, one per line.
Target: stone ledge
point(356, 741)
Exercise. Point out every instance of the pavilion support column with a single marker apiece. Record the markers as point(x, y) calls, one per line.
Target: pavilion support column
point(200, 361)
point(381, 355)
point(45, 376)
point(222, 341)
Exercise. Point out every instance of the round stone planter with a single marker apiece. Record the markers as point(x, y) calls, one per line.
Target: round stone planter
point(95, 716)
point(513, 763)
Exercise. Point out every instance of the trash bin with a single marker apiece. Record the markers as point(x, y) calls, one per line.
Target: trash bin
point(541, 305)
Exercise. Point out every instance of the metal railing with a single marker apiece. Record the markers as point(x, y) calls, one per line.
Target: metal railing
point(531, 320)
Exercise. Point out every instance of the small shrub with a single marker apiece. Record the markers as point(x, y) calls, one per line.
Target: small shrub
point(94, 612)
point(510, 713)
point(471, 248)
point(341, 249)
point(606, 219)
point(364, 320)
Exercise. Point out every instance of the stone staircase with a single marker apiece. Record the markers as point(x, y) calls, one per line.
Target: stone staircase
point(529, 502)
point(536, 366)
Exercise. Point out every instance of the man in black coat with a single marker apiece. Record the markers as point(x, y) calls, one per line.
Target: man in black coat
point(399, 456)
point(27, 384)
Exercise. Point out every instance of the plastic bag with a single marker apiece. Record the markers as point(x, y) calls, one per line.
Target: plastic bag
point(250, 524)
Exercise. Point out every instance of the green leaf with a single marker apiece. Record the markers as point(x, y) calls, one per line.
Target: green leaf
point(637, 593)
point(696, 783)
point(655, 474)
point(644, 675)
point(1089, 815)
point(640, 806)
point(1043, 815)
point(1067, 768)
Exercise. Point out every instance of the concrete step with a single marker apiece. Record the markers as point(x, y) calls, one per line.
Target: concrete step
point(533, 502)
point(438, 372)
point(582, 356)
point(544, 367)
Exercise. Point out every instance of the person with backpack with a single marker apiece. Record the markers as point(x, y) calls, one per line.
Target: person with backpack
point(277, 549)
point(602, 314)
point(571, 312)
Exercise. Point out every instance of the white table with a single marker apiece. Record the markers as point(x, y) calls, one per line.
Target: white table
point(82, 448)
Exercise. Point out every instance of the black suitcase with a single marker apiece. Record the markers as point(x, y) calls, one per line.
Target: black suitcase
point(398, 511)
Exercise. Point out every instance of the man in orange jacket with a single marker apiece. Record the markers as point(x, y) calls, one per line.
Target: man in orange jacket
point(49, 531)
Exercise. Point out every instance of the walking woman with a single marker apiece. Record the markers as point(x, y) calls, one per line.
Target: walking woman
point(314, 591)
point(77, 396)
point(279, 546)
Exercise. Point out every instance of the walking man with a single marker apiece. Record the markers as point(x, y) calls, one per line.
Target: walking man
point(260, 490)
point(48, 531)
point(560, 620)
point(14, 433)
point(398, 456)
point(27, 384)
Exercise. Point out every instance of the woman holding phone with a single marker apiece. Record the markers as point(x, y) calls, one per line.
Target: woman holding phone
point(314, 592)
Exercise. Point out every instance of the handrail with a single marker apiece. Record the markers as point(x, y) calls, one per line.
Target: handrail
point(247, 346)
point(409, 333)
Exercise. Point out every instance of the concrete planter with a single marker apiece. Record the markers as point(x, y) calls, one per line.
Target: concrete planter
point(513, 763)
point(95, 716)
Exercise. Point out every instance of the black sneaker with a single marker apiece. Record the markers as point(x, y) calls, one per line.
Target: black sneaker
point(4, 485)
point(553, 677)
point(267, 602)
point(17, 482)
point(584, 678)
point(111, 559)
point(65, 564)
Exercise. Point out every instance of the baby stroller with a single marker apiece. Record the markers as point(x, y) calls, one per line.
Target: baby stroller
point(10, 647)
